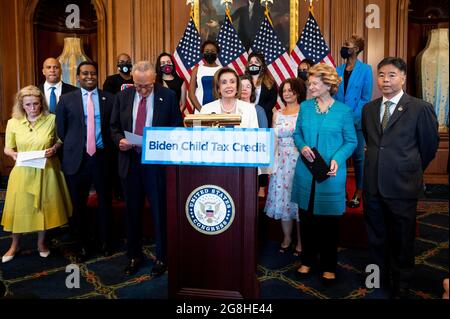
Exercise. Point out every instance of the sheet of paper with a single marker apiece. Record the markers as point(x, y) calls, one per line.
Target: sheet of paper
point(133, 138)
point(34, 159)
point(25, 156)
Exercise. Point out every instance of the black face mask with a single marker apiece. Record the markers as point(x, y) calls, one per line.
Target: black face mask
point(303, 75)
point(167, 69)
point(345, 52)
point(125, 67)
point(254, 69)
point(210, 57)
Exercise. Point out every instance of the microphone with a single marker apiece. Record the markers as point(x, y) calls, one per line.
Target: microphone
point(31, 130)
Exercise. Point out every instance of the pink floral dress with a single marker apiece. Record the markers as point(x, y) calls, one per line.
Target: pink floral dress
point(278, 203)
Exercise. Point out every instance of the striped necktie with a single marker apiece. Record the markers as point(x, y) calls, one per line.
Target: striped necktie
point(386, 115)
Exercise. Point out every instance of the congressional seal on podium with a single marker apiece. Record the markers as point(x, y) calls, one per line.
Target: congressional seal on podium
point(210, 209)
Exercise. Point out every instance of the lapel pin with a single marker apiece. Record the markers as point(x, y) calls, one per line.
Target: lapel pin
point(400, 108)
point(161, 99)
point(103, 98)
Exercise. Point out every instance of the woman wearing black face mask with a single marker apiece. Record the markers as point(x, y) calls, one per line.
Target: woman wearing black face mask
point(167, 76)
point(115, 83)
point(201, 84)
point(355, 91)
point(266, 91)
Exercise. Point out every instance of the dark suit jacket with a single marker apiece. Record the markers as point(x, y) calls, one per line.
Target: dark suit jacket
point(65, 88)
point(71, 127)
point(396, 159)
point(267, 100)
point(166, 113)
point(247, 27)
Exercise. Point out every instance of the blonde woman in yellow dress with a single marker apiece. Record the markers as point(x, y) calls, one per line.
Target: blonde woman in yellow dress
point(36, 199)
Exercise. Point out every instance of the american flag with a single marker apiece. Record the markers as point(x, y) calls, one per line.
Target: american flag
point(311, 45)
point(187, 55)
point(278, 60)
point(232, 51)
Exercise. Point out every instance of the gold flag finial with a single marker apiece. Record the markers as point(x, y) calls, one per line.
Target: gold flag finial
point(191, 2)
point(265, 3)
point(227, 7)
point(311, 6)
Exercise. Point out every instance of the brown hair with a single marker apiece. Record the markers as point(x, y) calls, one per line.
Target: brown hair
point(248, 77)
point(298, 87)
point(358, 41)
point(264, 76)
point(327, 75)
point(18, 111)
point(216, 82)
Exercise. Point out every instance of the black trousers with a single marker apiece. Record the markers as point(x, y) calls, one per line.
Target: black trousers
point(145, 181)
point(391, 227)
point(93, 171)
point(319, 236)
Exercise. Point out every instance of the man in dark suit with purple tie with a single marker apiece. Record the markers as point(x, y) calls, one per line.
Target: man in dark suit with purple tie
point(401, 134)
point(147, 104)
point(83, 124)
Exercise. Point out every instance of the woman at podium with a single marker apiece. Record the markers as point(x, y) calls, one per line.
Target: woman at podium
point(227, 90)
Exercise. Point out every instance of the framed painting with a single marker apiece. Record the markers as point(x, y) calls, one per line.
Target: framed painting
point(247, 16)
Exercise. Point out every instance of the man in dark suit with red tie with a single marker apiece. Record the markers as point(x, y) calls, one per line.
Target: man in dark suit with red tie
point(53, 87)
point(147, 104)
point(83, 124)
point(401, 134)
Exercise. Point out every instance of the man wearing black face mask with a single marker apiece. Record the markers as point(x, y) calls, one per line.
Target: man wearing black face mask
point(115, 83)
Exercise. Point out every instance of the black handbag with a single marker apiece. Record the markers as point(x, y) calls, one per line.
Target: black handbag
point(318, 168)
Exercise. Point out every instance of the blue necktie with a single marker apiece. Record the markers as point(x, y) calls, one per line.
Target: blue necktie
point(52, 100)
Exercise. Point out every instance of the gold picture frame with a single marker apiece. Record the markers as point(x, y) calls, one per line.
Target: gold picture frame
point(293, 18)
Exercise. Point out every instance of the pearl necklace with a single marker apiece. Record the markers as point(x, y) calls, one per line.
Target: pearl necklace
point(233, 109)
point(318, 111)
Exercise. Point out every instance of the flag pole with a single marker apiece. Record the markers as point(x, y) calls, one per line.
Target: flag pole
point(227, 8)
point(192, 10)
point(266, 12)
point(311, 7)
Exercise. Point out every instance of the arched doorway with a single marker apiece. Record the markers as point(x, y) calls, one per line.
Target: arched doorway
point(50, 29)
point(30, 70)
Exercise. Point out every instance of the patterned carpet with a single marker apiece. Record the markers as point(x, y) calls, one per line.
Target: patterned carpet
point(30, 276)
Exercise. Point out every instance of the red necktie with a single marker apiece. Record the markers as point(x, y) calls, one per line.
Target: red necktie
point(90, 143)
point(141, 116)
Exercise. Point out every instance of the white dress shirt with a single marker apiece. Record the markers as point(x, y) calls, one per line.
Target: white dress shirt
point(47, 91)
point(394, 100)
point(149, 107)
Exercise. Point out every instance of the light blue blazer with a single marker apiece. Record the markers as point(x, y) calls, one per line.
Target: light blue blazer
point(359, 89)
point(335, 139)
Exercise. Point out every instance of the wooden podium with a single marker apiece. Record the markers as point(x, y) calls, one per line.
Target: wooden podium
point(221, 265)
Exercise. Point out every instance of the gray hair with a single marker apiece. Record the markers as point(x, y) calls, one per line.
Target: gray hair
point(143, 66)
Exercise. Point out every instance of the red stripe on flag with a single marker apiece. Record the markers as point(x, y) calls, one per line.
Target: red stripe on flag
point(287, 66)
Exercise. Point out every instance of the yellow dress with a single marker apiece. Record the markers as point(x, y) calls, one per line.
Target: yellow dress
point(36, 199)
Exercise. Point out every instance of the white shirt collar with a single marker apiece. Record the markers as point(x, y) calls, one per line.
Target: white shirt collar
point(395, 99)
point(47, 85)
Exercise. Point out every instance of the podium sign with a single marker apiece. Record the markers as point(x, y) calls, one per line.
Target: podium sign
point(208, 146)
point(211, 206)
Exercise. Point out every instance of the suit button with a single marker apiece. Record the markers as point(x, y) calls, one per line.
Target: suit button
point(381, 147)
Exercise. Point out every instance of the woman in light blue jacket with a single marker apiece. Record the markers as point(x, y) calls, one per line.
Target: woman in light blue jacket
point(355, 90)
point(325, 124)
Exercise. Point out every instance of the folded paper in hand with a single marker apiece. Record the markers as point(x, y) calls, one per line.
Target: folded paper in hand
point(318, 167)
